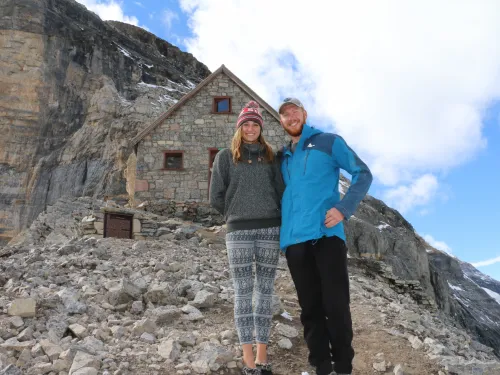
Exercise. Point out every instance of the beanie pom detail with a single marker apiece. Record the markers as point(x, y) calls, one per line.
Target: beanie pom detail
point(252, 104)
point(250, 112)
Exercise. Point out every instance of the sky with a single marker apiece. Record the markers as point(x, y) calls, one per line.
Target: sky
point(413, 87)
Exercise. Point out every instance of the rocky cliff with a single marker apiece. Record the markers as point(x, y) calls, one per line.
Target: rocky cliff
point(471, 298)
point(74, 89)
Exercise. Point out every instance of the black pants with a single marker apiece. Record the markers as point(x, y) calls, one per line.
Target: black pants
point(319, 272)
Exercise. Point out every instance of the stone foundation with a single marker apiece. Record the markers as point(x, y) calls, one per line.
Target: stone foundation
point(154, 220)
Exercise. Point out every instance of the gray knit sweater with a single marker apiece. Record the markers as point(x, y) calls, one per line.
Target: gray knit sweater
point(247, 194)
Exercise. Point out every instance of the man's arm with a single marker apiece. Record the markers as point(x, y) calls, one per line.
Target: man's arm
point(219, 182)
point(279, 184)
point(346, 159)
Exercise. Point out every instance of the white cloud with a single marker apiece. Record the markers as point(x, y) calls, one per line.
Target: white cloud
point(139, 4)
point(487, 262)
point(424, 212)
point(440, 245)
point(168, 17)
point(405, 83)
point(418, 193)
point(109, 10)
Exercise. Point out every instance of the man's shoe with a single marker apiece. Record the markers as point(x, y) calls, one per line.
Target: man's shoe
point(265, 368)
point(325, 368)
point(250, 371)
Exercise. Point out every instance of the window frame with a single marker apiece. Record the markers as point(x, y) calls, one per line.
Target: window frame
point(216, 99)
point(166, 153)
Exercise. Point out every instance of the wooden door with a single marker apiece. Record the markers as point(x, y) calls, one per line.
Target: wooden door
point(117, 225)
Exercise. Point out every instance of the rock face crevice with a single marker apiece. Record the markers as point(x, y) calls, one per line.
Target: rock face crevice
point(74, 90)
point(380, 232)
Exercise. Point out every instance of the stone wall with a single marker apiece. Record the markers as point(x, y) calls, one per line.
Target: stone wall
point(71, 218)
point(194, 129)
point(158, 222)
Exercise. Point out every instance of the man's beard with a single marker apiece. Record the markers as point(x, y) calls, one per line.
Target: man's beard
point(295, 131)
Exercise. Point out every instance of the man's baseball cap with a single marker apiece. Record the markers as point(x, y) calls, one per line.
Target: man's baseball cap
point(294, 101)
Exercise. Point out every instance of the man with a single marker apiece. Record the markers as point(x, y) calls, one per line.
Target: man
point(312, 234)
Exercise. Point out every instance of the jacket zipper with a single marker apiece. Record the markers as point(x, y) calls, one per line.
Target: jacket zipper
point(305, 162)
point(290, 182)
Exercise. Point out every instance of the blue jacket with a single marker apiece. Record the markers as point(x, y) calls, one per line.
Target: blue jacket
point(311, 176)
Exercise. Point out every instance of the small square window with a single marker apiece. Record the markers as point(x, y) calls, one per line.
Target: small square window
point(222, 104)
point(173, 160)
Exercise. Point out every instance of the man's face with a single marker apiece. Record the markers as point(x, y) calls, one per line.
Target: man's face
point(292, 119)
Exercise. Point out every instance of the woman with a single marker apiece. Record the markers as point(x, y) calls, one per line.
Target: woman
point(246, 187)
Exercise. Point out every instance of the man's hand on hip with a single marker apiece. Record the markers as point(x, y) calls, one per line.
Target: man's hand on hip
point(333, 217)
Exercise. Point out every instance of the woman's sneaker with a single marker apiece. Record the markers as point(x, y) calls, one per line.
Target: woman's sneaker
point(250, 371)
point(265, 368)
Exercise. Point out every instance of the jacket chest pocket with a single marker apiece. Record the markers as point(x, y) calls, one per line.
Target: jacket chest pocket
point(316, 164)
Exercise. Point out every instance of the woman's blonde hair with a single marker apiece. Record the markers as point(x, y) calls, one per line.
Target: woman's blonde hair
point(237, 143)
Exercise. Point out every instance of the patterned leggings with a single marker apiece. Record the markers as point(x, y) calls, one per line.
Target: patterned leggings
point(242, 247)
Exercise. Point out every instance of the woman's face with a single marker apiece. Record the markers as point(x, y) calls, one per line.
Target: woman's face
point(250, 131)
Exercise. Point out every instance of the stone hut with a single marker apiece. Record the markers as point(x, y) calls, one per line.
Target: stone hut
point(174, 154)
